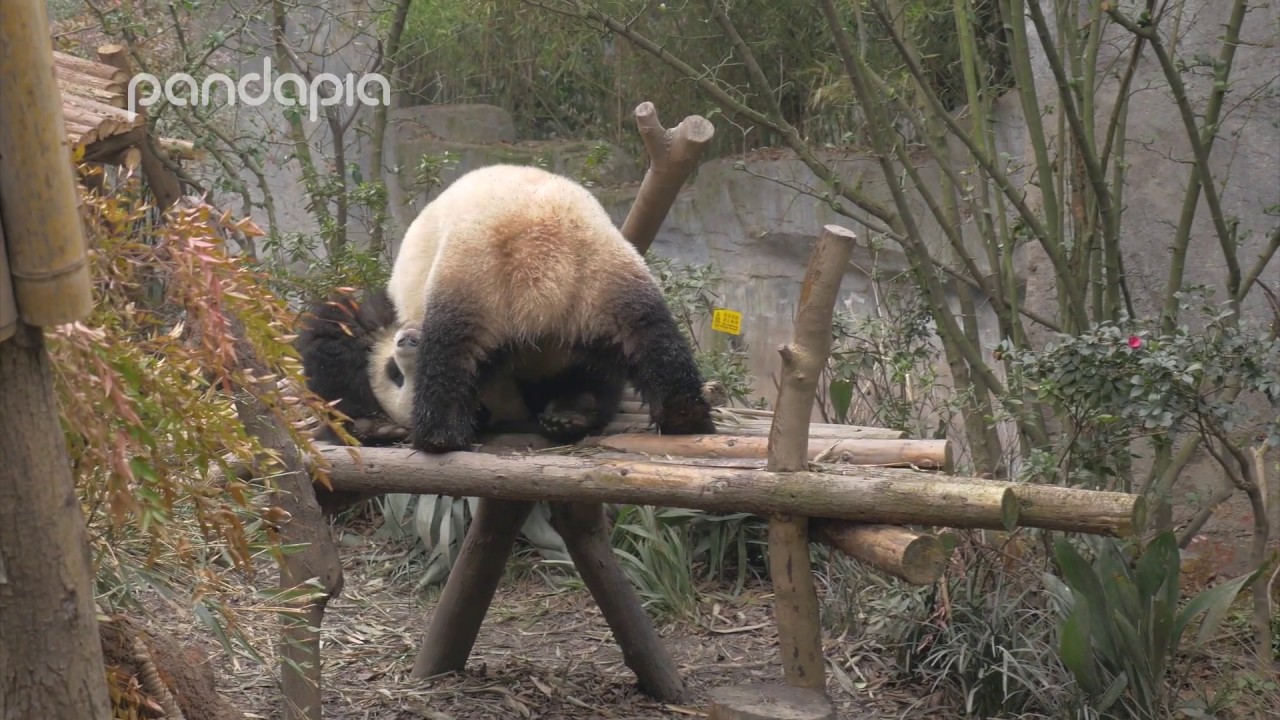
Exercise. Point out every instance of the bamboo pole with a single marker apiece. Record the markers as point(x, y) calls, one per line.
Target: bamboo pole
point(46, 246)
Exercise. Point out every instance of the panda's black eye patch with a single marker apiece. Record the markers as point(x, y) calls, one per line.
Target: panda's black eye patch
point(393, 372)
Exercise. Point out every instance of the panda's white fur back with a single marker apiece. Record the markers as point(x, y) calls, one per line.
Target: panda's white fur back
point(536, 251)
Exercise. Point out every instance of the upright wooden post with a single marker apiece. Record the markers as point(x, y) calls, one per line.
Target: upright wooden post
point(51, 662)
point(796, 598)
point(164, 186)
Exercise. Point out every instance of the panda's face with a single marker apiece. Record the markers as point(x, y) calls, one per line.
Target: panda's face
point(392, 369)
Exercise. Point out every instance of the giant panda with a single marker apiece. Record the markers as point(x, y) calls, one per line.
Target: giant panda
point(354, 356)
point(516, 278)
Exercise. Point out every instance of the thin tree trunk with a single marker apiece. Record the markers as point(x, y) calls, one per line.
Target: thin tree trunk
point(377, 238)
point(50, 656)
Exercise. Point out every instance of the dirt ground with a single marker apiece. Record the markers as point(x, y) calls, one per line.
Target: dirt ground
point(544, 652)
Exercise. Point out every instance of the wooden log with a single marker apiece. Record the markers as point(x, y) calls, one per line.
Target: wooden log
point(1096, 512)
point(673, 155)
point(914, 557)
point(180, 149)
point(48, 264)
point(64, 62)
point(88, 111)
point(761, 426)
point(81, 86)
point(586, 536)
point(110, 149)
point(472, 582)
point(795, 596)
point(768, 702)
point(888, 496)
point(927, 454)
point(1053, 507)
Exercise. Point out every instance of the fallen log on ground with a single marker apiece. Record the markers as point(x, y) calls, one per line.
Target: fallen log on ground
point(876, 495)
point(925, 454)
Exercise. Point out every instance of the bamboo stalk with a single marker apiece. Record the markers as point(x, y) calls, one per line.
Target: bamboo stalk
point(45, 239)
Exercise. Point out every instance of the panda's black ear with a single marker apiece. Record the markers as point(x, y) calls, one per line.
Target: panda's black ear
point(334, 341)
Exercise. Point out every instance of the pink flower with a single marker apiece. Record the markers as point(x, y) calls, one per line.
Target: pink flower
point(1135, 342)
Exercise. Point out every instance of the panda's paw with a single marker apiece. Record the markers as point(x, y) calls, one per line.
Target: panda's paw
point(441, 443)
point(375, 431)
point(568, 422)
point(686, 416)
point(443, 436)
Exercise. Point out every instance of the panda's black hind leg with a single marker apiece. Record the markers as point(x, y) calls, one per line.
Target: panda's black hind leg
point(582, 399)
point(661, 365)
point(446, 396)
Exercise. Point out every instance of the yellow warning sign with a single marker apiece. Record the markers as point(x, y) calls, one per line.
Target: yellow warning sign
point(726, 321)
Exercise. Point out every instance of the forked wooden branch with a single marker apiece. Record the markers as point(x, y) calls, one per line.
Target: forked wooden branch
point(673, 155)
point(796, 598)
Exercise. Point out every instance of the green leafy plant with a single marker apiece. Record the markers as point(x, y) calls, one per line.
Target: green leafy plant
point(691, 291)
point(1122, 626)
point(983, 636)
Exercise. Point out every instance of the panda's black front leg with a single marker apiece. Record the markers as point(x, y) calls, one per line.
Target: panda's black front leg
point(446, 397)
point(661, 365)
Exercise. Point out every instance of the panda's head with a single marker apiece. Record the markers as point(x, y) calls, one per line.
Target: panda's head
point(391, 370)
point(335, 340)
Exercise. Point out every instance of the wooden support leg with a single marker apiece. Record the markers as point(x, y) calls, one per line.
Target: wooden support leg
point(470, 587)
point(796, 603)
point(585, 534)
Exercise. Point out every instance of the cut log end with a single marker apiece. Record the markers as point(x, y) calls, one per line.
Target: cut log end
point(769, 702)
point(914, 557)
